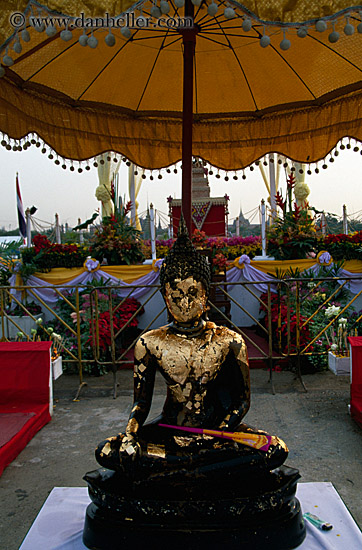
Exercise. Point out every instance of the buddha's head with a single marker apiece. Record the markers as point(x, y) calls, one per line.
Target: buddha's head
point(185, 280)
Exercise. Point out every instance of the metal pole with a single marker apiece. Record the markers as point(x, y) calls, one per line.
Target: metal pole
point(152, 231)
point(81, 236)
point(28, 228)
point(273, 191)
point(57, 230)
point(189, 41)
point(226, 220)
point(323, 224)
point(238, 226)
point(263, 229)
point(345, 221)
point(132, 193)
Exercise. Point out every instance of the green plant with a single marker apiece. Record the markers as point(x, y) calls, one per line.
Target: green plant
point(8, 251)
point(100, 292)
point(293, 234)
point(116, 240)
point(44, 255)
point(318, 292)
point(22, 311)
point(199, 238)
point(341, 246)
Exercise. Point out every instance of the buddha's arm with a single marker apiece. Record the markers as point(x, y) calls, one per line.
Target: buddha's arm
point(240, 381)
point(144, 379)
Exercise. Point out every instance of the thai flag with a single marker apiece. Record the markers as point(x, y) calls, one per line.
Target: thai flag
point(21, 217)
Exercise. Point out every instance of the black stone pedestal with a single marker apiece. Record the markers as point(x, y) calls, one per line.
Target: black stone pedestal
point(254, 513)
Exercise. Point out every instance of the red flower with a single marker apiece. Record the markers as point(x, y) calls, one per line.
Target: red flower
point(279, 200)
point(127, 208)
point(291, 181)
point(120, 319)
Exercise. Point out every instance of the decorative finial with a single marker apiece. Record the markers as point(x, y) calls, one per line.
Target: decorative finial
point(182, 228)
point(184, 261)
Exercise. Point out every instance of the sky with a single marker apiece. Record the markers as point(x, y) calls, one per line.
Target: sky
point(71, 195)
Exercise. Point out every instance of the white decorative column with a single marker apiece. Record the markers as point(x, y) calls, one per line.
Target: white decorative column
point(345, 221)
point(323, 224)
point(263, 235)
point(152, 232)
point(58, 239)
point(132, 193)
point(28, 228)
point(273, 190)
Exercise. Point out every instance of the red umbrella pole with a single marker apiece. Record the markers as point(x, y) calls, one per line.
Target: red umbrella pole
point(189, 41)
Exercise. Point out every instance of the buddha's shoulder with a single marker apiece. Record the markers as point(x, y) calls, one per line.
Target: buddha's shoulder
point(153, 337)
point(224, 332)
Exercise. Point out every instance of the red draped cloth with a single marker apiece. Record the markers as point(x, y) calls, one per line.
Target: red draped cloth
point(356, 378)
point(25, 378)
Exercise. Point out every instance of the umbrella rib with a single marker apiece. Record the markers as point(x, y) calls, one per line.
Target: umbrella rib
point(35, 49)
point(173, 42)
point(215, 31)
point(215, 41)
point(336, 53)
point(46, 42)
point(213, 22)
point(104, 67)
point(295, 72)
point(143, 38)
point(40, 47)
point(151, 71)
point(240, 67)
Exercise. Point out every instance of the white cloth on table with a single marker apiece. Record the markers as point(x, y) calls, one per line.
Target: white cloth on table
point(59, 524)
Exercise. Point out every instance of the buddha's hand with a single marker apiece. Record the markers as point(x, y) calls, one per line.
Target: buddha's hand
point(130, 446)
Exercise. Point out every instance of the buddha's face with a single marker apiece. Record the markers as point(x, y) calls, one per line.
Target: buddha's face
point(187, 302)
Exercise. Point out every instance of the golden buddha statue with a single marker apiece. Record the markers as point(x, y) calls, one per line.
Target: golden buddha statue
point(206, 371)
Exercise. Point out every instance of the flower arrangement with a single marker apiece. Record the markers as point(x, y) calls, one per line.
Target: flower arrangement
point(44, 333)
point(28, 308)
point(233, 246)
point(336, 334)
point(44, 255)
point(121, 316)
point(316, 313)
point(116, 241)
point(8, 251)
point(199, 238)
point(342, 247)
point(219, 263)
point(218, 256)
point(279, 309)
point(293, 234)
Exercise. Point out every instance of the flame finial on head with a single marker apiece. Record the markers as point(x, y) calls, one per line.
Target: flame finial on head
point(182, 228)
point(184, 261)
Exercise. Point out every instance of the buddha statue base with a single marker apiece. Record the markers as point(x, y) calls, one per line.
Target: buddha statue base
point(257, 511)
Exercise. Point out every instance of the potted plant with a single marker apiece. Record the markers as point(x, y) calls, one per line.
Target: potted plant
point(336, 335)
point(199, 239)
point(293, 234)
point(22, 318)
point(124, 315)
point(44, 333)
point(116, 241)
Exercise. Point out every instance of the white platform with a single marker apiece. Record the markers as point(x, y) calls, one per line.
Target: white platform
point(59, 524)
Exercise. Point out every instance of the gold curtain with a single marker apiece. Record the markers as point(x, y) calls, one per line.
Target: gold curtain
point(305, 135)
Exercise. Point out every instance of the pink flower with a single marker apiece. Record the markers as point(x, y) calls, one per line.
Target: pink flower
point(74, 315)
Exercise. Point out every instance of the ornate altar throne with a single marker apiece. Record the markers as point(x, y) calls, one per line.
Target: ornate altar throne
point(209, 214)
